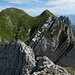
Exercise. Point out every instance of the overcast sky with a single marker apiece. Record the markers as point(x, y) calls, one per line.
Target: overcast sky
point(35, 7)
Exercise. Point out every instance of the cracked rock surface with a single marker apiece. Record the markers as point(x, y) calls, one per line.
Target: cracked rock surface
point(16, 58)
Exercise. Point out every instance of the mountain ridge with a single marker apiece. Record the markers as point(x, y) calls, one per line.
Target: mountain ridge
point(49, 38)
point(13, 18)
point(46, 27)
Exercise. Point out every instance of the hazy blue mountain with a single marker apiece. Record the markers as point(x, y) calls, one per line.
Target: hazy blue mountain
point(72, 18)
point(73, 29)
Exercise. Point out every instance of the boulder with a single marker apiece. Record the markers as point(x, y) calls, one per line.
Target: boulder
point(45, 66)
point(16, 58)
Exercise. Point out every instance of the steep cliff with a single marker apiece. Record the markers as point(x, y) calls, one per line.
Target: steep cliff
point(54, 39)
point(16, 58)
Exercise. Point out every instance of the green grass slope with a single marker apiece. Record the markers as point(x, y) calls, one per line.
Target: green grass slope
point(16, 22)
point(12, 20)
point(40, 20)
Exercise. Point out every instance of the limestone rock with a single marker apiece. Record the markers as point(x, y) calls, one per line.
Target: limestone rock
point(68, 60)
point(68, 22)
point(40, 44)
point(16, 58)
point(44, 66)
point(57, 41)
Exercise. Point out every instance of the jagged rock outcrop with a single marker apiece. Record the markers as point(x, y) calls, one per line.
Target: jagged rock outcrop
point(44, 66)
point(68, 22)
point(42, 45)
point(16, 58)
point(54, 39)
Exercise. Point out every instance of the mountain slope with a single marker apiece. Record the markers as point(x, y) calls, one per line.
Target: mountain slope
point(15, 23)
point(40, 20)
point(54, 40)
point(73, 29)
point(12, 20)
point(47, 34)
point(19, 59)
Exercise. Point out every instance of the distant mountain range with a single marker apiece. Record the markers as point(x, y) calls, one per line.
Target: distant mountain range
point(72, 18)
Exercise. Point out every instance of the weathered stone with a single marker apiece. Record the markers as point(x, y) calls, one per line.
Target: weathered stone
point(46, 66)
point(59, 43)
point(68, 60)
point(16, 58)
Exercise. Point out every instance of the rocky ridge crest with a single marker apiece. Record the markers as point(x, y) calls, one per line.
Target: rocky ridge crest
point(54, 40)
point(16, 58)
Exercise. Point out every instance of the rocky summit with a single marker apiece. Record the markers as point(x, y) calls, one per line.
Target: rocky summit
point(16, 58)
point(55, 40)
point(48, 43)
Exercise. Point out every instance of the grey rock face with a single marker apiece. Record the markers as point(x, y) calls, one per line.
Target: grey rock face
point(68, 22)
point(40, 44)
point(43, 46)
point(58, 44)
point(47, 67)
point(68, 60)
point(16, 58)
point(46, 46)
